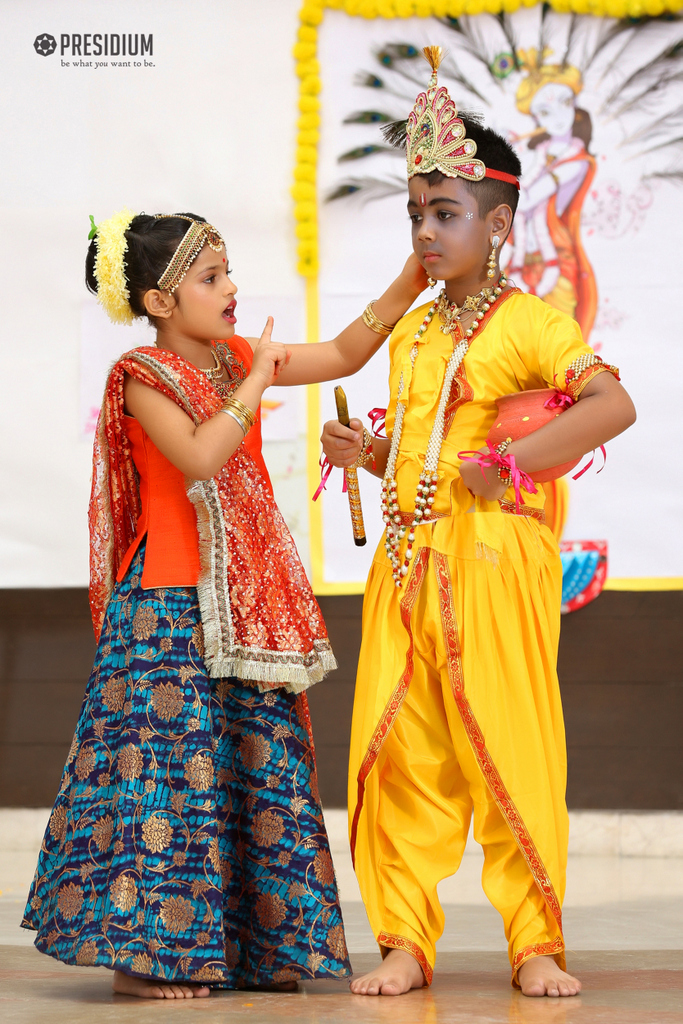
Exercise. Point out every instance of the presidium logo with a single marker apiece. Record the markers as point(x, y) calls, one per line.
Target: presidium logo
point(97, 44)
point(45, 44)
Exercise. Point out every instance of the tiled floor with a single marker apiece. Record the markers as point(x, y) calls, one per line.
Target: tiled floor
point(469, 988)
point(623, 923)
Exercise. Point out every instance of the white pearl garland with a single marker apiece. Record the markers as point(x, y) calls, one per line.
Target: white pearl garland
point(395, 530)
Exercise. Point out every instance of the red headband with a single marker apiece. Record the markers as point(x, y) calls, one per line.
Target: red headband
point(502, 176)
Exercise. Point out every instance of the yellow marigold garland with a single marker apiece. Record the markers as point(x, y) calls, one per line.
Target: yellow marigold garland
point(112, 289)
point(308, 71)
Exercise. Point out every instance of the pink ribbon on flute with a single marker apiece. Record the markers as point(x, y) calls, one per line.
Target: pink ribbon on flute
point(326, 468)
point(378, 419)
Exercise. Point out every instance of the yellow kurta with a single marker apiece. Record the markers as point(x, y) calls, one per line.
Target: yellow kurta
point(457, 708)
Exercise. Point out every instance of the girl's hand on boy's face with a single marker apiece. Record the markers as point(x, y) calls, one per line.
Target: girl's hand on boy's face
point(342, 445)
point(414, 275)
point(269, 357)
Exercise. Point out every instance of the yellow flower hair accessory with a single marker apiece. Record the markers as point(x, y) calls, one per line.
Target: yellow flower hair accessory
point(112, 288)
point(540, 74)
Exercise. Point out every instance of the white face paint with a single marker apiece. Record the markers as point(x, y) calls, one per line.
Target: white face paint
point(469, 216)
point(553, 107)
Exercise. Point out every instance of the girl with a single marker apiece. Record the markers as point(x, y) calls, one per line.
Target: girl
point(187, 848)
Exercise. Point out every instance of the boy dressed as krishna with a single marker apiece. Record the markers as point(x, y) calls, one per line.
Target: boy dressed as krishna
point(457, 710)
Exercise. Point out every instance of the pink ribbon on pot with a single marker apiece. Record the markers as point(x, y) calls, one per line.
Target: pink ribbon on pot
point(558, 400)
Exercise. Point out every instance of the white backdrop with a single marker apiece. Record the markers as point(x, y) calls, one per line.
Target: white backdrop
point(635, 503)
point(209, 128)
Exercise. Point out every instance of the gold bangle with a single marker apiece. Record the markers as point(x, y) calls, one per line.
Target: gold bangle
point(234, 403)
point(240, 412)
point(233, 415)
point(374, 323)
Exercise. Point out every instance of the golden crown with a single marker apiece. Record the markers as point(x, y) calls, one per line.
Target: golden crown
point(436, 135)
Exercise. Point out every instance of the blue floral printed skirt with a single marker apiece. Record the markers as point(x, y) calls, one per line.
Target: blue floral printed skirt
point(187, 841)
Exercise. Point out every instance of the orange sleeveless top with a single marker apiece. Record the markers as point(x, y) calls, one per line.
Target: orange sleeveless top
point(168, 519)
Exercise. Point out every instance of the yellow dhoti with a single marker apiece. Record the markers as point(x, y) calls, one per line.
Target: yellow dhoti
point(428, 752)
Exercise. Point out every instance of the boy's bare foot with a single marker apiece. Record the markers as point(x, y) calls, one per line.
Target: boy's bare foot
point(143, 988)
point(541, 976)
point(398, 973)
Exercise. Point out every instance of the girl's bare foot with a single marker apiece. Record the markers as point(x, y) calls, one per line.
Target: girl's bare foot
point(398, 973)
point(541, 976)
point(143, 988)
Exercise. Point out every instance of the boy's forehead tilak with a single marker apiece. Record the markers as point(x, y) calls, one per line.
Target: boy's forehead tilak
point(433, 202)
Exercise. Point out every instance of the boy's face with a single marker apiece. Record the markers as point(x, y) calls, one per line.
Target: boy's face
point(450, 239)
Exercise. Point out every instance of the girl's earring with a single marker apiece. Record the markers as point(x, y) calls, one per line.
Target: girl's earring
point(492, 262)
point(431, 282)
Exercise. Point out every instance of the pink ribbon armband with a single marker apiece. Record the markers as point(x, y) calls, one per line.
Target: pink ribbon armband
point(509, 472)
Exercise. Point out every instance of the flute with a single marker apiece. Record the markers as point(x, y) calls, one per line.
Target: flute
point(351, 476)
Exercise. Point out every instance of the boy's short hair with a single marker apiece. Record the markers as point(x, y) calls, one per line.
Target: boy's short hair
point(496, 153)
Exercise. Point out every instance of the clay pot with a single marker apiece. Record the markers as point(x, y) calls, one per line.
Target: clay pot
point(522, 413)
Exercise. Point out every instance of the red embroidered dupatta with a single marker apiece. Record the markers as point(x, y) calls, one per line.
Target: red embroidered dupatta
point(261, 621)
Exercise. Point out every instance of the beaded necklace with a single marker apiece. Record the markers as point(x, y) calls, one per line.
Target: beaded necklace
point(395, 530)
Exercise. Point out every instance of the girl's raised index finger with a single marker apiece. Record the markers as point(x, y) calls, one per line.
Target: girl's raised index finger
point(268, 329)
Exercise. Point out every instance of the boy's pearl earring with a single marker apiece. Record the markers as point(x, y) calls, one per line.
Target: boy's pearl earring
point(492, 263)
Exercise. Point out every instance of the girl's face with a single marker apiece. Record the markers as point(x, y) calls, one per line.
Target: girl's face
point(554, 110)
point(205, 298)
point(450, 239)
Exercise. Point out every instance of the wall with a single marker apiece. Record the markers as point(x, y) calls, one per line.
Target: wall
point(623, 707)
